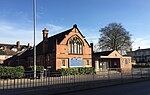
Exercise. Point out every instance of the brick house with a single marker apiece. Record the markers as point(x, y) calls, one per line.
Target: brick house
point(8, 50)
point(108, 60)
point(67, 49)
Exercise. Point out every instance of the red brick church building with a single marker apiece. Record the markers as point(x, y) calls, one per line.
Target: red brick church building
point(67, 49)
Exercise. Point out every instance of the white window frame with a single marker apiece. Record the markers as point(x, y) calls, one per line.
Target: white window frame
point(87, 62)
point(63, 66)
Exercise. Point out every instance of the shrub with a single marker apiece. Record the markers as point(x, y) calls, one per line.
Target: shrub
point(75, 71)
point(19, 71)
point(11, 72)
point(38, 68)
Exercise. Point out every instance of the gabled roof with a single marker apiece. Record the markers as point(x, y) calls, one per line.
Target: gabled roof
point(103, 53)
point(56, 39)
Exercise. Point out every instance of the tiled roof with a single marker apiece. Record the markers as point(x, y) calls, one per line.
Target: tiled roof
point(19, 55)
point(7, 52)
point(10, 52)
point(103, 53)
point(2, 52)
point(6, 49)
point(10, 46)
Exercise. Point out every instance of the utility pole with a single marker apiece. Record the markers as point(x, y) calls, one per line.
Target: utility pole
point(34, 46)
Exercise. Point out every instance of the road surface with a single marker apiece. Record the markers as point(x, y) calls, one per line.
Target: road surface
point(139, 88)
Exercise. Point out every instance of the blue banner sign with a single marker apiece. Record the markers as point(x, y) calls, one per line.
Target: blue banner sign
point(73, 62)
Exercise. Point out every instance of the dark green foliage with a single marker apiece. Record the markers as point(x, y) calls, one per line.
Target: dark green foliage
point(76, 71)
point(19, 71)
point(38, 68)
point(11, 72)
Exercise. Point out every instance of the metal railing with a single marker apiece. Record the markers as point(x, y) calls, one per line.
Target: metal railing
point(53, 80)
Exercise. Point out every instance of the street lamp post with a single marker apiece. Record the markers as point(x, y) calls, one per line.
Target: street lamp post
point(34, 46)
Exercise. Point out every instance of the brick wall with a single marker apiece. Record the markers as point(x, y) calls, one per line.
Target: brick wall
point(62, 51)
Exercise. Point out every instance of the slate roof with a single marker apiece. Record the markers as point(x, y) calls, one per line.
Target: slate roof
point(2, 52)
point(19, 55)
point(7, 52)
point(56, 39)
point(103, 53)
point(10, 46)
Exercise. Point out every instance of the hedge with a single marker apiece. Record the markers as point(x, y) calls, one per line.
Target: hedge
point(38, 68)
point(11, 72)
point(76, 71)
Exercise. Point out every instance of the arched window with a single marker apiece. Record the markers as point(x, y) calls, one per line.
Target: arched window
point(75, 45)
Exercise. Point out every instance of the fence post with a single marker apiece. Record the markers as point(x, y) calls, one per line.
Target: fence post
point(121, 75)
point(74, 78)
point(149, 72)
point(141, 72)
point(93, 73)
point(108, 75)
point(132, 73)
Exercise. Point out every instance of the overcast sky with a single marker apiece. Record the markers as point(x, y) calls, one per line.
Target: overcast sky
point(16, 18)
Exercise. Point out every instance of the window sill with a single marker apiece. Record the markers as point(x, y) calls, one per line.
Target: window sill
point(64, 67)
point(88, 65)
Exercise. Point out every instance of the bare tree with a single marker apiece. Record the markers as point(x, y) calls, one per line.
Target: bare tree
point(114, 37)
point(95, 47)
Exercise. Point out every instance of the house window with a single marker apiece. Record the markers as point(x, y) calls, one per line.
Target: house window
point(87, 62)
point(48, 58)
point(75, 45)
point(62, 62)
point(127, 61)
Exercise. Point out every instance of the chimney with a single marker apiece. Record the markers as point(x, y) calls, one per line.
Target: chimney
point(45, 45)
point(28, 46)
point(18, 44)
point(45, 34)
point(139, 48)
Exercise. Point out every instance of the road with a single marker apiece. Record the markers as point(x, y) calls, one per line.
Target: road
point(140, 88)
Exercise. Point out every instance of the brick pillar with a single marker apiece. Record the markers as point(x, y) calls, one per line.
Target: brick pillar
point(45, 45)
